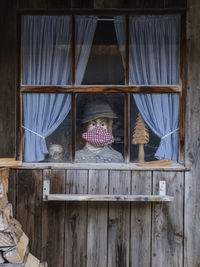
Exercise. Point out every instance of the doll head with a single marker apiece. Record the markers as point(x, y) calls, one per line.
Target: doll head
point(98, 119)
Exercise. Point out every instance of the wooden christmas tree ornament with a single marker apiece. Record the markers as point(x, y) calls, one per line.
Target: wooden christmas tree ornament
point(140, 136)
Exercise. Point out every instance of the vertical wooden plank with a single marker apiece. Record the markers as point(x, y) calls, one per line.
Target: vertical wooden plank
point(12, 184)
point(140, 249)
point(29, 202)
point(167, 225)
point(119, 220)
point(192, 149)
point(97, 220)
point(8, 65)
point(76, 220)
point(53, 217)
point(183, 95)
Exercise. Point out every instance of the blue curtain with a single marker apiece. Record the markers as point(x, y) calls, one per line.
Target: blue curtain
point(47, 61)
point(119, 23)
point(154, 50)
point(161, 113)
point(42, 114)
point(46, 50)
point(154, 59)
point(85, 29)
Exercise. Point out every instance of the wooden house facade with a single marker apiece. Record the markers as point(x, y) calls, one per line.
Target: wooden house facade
point(88, 233)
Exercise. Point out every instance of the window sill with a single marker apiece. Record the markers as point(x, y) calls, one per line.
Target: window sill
point(103, 166)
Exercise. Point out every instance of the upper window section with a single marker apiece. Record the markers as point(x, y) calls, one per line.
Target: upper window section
point(96, 47)
point(46, 46)
point(99, 48)
point(154, 50)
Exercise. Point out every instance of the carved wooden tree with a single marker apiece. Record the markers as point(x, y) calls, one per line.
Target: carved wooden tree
point(140, 136)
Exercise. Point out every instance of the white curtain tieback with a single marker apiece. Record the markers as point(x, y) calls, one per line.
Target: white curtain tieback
point(27, 129)
point(164, 136)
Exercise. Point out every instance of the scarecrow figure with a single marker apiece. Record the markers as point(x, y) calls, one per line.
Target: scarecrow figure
point(97, 123)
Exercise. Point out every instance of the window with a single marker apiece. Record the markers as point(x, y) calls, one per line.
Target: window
point(101, 88)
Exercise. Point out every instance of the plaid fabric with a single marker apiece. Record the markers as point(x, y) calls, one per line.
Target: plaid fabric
point(98, 136)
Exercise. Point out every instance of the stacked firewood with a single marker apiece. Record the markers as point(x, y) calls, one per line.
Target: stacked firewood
point(13, 241)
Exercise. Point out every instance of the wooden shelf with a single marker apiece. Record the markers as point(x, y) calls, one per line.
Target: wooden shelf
point(132, 198)
point(12, 265)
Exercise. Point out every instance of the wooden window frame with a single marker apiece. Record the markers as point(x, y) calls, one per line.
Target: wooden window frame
point(126, 89)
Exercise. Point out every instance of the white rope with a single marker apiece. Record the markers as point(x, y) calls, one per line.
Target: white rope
point(164, 136)
point(27, 129)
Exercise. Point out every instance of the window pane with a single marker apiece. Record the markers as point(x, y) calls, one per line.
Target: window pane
point(154, 127)
point(46, 50)
point(154, 50)
point(47, 127)
point(100, 128)
point(100, 50)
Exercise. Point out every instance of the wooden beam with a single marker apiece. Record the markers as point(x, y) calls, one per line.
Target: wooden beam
point(103, 166)
point(132, 198)
point(140, 89)
point(12, 265)
point(105, 11)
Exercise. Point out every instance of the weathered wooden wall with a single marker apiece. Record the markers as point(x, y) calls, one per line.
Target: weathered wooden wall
point(74, 234)
point(131, 235)
point(192, 152)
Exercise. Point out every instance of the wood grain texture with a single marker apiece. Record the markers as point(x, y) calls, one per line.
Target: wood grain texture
point(30, 4)
point(145, 3)
point(28, 211)
point(76, 220)
point(140, 89)
point(119, 220)
point(12, 186)
point(175, 4)
point(8, 66)
point(53, 218)
point(129, 3)
point(140, 229)
point(102, 166)
point(167, 222)
point(192, 155)
point(59, 4)
point(97, 220)
point(82, 3)
point(12, 265)
point(110, 198)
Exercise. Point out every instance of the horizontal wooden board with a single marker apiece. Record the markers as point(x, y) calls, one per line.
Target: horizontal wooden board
point(140, 89)
point(132, 198)
point(12, 265)
point(101, 166)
